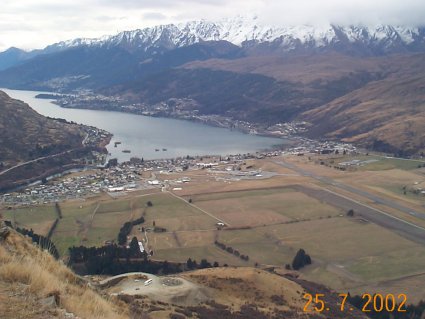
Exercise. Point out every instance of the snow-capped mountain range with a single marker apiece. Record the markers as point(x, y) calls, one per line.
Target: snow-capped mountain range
point(243, 31)
point(250, 34)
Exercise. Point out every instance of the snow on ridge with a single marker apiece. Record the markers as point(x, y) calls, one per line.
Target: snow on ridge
point(239, 29)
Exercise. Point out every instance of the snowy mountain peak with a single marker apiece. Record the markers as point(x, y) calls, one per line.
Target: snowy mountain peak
point(242, 31)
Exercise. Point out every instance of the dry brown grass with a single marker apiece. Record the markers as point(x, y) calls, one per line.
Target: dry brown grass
point(235, 287)
point(40, 274)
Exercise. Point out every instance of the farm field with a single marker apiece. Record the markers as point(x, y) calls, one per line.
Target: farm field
point(39, 218)
point(263, 207)
point(268, 220)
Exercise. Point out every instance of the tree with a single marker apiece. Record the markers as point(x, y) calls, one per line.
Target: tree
point(204, 264)
point(350, 213)
point(300, 260)
point(134, 247)
point(215, 264)
point(149, 204)
point(190, 264)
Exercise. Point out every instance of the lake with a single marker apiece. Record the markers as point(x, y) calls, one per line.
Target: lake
point(143, 135)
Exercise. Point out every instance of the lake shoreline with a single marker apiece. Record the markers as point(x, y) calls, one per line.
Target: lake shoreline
point(143, 135)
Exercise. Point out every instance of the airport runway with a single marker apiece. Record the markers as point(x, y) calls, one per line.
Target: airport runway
point(404, 228)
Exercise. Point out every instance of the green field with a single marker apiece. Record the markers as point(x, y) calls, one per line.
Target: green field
point(27, 216)
point(264, 207)
point(382, 163)
point(38, 218)
point(80, 226)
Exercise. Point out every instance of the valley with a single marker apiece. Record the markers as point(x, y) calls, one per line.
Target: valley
point(229, 168)
point(357, 84)
point(267, 217)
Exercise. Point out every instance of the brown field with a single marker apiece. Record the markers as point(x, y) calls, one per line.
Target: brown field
point(254, 208)
point(347, 253)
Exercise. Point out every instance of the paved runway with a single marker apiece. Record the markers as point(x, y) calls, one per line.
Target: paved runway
point(404, 228)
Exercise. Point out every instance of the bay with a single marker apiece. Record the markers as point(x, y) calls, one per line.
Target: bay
point(153, 137)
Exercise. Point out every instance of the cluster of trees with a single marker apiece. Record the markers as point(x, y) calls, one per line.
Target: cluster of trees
point(114, 260)
point(192, 264)
point(52, 228)
point(126, 229)
point(43, 242)
point(230, 250)
point(300, 260)
point(58, 210)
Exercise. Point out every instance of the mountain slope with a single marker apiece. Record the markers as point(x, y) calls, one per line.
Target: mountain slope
point(245, 70)
point(386, 115)
point(25, 134)
point(96, 67)
point(112, 59)
point(264, 96)
point(29, 276)
point(35, 285)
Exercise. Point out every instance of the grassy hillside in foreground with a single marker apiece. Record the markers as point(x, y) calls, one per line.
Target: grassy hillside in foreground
point(28, 276)
point(34, 285)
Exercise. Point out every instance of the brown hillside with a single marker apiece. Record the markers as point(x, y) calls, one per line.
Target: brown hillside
point(34, 285)
point(387, 115)
point(28, 276)
point(303, 69)
point(26, 135)
point(376, 102)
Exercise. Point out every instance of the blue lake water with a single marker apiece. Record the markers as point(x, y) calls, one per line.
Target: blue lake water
point(142, 135)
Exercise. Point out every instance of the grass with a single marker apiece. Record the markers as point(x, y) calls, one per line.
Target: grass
point(167, 206)
point(250, 208)
point(31, 216)
point(390, 265)
point(331, 242)
point(239, 194)
point(335, 240)
point(175, 214)
point(42, 275)
point(383, 163)
point(114, 206)
point(78, 228)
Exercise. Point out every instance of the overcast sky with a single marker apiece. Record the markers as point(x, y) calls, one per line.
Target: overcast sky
point(30, 24)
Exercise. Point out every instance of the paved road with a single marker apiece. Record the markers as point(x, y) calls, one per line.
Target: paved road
point(33, 161)
point(406, 229)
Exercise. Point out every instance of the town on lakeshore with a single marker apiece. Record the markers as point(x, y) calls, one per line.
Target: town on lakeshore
point(185, 109)
point(115, 177)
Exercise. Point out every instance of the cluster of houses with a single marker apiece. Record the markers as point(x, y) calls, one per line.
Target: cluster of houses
point(128, 176)
point(81, 185)
point(307, 146)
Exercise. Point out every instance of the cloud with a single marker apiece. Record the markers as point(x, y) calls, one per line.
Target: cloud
point(154, 16)
point(409, 12)
point(37, 23)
